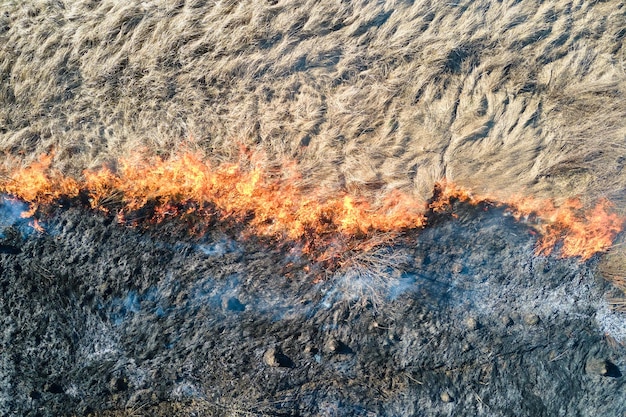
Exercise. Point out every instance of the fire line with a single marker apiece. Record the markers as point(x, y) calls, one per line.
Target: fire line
point(278, 207)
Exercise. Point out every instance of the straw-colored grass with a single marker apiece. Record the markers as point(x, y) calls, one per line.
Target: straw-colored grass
point(507, 97)
point(501, 96)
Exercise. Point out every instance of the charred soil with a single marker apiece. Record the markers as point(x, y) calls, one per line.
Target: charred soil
point(461, 318)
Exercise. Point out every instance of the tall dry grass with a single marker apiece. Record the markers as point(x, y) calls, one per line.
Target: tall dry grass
point(502, 96)
point(506, 96)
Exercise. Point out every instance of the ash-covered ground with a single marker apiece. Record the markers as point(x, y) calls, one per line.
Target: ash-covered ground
point(459, 319)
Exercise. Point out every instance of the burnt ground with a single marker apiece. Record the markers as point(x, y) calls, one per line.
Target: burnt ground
point(460, 319)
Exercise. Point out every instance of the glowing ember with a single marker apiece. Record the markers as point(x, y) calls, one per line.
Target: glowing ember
point(276, 206)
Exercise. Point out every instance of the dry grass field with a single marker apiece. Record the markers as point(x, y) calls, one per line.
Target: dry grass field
point(501, 96)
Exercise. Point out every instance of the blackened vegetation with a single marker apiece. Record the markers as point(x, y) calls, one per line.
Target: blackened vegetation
point(97, 316)
point(9, 249)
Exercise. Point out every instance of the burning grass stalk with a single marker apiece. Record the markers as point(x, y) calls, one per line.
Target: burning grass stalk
point(144, 191)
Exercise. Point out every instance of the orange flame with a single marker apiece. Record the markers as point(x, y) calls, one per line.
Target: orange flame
point(37, 184)
point(271, 207)
point(276, 206)
point(582, 233)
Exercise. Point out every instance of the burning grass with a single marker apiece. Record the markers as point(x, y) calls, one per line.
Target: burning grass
point(273, 203)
